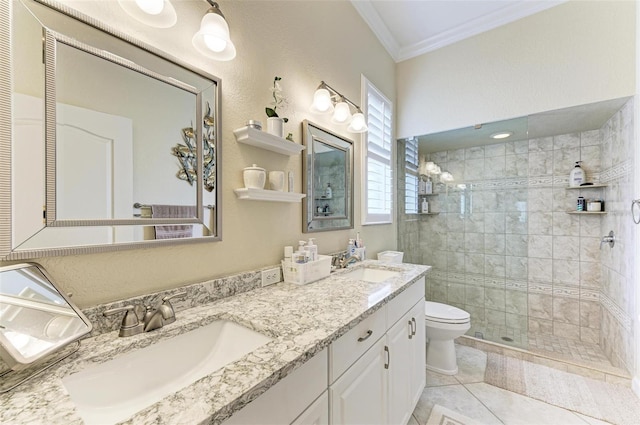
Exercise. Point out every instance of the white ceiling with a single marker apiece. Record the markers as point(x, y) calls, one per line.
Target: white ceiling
point(409, 28)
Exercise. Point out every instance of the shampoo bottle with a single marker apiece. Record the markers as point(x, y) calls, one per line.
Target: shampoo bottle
point(424, 208)
point(576, 177)
point(328, 192)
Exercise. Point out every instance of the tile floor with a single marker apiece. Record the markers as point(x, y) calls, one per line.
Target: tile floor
point(467, 394)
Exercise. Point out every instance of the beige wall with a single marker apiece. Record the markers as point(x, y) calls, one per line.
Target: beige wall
point(302, 42)
point(578, 52)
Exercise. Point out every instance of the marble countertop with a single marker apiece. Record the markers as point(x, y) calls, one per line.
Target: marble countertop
point(301, 319)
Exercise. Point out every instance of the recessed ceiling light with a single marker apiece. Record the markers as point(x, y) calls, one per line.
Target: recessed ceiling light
point(502, 135)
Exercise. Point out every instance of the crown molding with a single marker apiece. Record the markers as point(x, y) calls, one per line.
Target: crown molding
point(471, 28)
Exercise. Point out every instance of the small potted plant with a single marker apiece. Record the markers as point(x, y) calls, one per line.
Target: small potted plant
point(275, 123)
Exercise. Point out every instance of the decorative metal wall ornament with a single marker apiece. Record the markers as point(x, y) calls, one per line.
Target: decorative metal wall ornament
point(187, 154)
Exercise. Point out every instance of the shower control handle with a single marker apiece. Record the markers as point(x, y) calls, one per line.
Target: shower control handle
point(610, 239)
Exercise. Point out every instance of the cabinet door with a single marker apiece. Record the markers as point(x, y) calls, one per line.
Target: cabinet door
point(399, 340)
point(359, 396)
point(316, 414)
point(417, 376)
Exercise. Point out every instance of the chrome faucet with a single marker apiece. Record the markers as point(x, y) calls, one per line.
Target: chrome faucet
point(135, 321)
point(344, 262)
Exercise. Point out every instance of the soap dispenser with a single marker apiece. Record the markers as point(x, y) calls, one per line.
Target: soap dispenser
point(576, 177)
point(328, 192)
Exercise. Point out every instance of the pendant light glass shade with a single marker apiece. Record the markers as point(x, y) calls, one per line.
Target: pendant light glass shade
point(322, 102)
point(154, 13)
point(357, 124)
point(342, 113)
point(213, 38)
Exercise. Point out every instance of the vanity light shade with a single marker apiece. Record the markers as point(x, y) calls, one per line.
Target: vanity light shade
point(153, 13)
point(213, 39)
point(322, 102)
point(341, 113)
point(358, 124)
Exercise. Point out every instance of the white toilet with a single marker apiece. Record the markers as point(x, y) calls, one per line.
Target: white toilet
point(443, 324)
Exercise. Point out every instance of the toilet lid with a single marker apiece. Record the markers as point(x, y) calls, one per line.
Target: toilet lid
point(444, 313)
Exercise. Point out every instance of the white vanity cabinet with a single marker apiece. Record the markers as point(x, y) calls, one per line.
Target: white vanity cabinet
point(373, 374)
point(384, 384)
point(296, 399)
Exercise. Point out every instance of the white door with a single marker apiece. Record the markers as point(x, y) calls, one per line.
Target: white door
point(94, 178)
point(360, 396)
point(27, 157)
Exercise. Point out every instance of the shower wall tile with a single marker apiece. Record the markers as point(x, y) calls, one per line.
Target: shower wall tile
point(516, 267)
point(565, 224)
point(455, 155)
point(540, 163)
point(566, 141)
point(494, 243)
point(494, 222)
point(516, 302)
point(474, 242)
point(541, 144)
point(567, 310)
point(540, 246)
point(519, 147)
point(566, 330)
point(499, 149)
point(590, 138)
point(495, 167)
point(474, 169)
point(590, 249)
point(540, 306)
point(494, 265)
point(517, 245)
point(516, 165)
point(540, 326)
point(566, 272)
point(564, 160)
point(474, 153)
point(590, 314)
point(566, 247)
point(540, 269)
point(541, 223)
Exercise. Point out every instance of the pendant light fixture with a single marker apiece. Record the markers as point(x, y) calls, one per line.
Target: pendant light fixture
point(213, 39)
point(154, 13)
point(327, 100)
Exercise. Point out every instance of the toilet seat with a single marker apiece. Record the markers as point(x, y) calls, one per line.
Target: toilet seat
point(443, 313)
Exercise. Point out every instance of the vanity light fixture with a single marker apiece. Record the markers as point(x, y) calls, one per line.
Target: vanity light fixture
point(328, 100)
point(154, 13)
point(502, 135)
point(213, 39)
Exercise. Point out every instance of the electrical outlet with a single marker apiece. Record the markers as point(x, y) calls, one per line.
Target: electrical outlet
point(271, 276)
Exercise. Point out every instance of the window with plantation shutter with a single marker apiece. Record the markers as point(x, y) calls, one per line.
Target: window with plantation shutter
point(377, 177)
point(411, 176)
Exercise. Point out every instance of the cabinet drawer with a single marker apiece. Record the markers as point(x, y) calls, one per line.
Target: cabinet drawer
point(349, 347)
point(398, 306)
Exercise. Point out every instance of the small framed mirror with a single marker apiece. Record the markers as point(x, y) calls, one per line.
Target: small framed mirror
point(327, 170)
point(36, 318)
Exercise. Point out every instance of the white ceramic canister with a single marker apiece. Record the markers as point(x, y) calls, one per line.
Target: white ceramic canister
point(275, 126)
point(276, 180)
point(254, 177)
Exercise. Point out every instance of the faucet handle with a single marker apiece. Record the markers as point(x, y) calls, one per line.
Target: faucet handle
point(168, 313)
point(130, 323)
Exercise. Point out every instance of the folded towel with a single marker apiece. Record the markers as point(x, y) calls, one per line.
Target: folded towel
point(173, 211)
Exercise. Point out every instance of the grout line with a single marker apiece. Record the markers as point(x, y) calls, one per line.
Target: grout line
point(485, 406)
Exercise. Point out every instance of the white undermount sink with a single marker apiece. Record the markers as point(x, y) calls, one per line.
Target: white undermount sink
point(115, 390)
point(369, 274)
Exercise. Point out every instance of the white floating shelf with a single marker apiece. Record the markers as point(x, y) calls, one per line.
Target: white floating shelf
point(264, 140)
point(268, 195)
point(591, 186)
point(586, 212)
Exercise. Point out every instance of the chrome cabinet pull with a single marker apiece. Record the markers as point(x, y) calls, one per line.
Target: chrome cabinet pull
point(634, 203)
point(415, 326)
point(386, 350)
point(362, 338)
point(410, 329)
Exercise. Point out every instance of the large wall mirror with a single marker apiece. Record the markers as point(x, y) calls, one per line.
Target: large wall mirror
point(112, 144)
point(327, 170)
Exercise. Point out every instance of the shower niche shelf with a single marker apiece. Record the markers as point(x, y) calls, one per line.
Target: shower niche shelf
point(592, 186)
point(587, 212)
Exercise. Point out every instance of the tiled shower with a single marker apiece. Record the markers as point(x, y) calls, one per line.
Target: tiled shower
point(504, 247)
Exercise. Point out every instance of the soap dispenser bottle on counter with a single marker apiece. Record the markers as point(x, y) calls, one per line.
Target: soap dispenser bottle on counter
point(576, 177)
